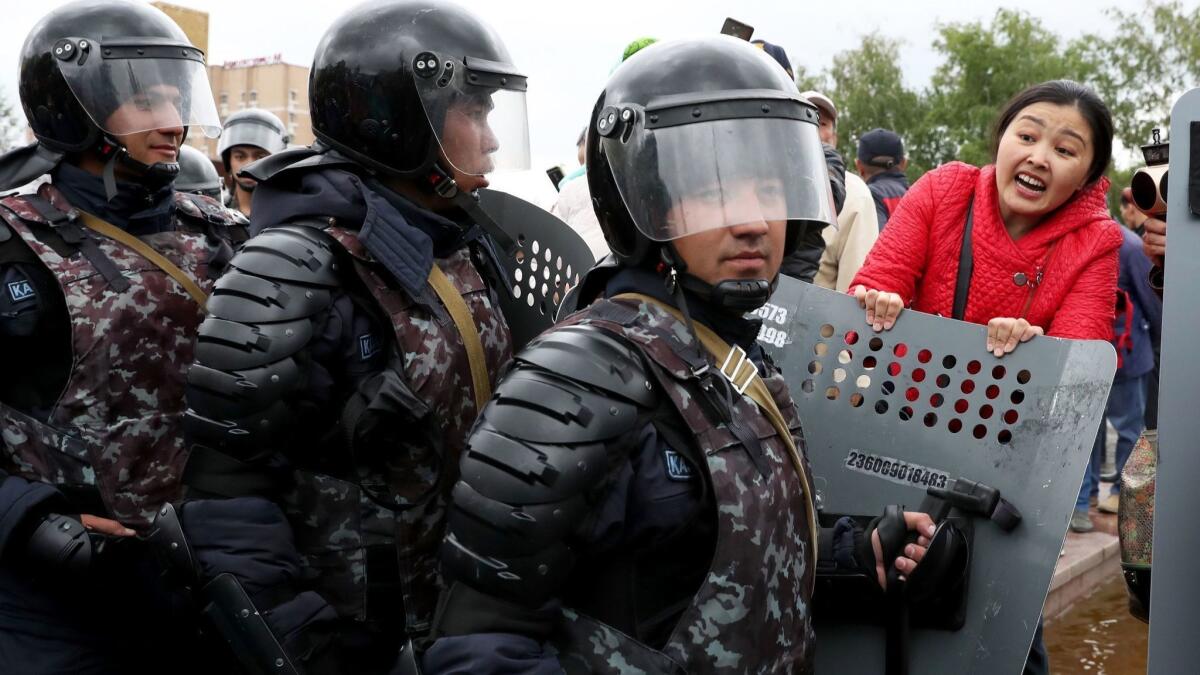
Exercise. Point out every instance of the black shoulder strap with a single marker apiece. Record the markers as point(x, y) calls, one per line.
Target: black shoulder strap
point(966, 265)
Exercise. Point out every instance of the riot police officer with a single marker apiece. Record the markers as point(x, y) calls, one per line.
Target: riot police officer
point(248, 136)
point(355, 339)
point(197, 174)
point(104, 271)
point(636, 493)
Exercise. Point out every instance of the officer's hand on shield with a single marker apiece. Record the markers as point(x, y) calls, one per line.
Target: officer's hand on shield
point(917, 522)
point(882, 307)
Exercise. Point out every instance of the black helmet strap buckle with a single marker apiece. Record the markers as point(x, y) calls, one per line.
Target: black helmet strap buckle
point(150, 175)
point(444, 186)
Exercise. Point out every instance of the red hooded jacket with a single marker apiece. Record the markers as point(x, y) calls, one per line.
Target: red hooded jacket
point(1075, 249)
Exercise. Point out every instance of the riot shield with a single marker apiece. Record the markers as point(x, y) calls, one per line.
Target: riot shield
point(889, 415)
point(549, 258)
point(1175, 590)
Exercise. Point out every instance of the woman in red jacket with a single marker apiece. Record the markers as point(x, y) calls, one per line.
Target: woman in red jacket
point(1044, 247)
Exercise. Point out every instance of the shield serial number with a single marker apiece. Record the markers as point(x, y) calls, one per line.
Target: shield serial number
point(895, 470)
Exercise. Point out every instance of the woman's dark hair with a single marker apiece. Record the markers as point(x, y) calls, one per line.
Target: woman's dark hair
point(1065, 92)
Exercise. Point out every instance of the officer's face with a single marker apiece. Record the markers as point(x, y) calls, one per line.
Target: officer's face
point(468, 141)
point(749, 248)
point(241, 156)
point(149, 124)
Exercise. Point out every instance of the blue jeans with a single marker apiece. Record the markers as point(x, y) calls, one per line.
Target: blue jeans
point(1126, 410)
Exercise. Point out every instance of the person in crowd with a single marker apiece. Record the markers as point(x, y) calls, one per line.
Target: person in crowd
point(355, 340)
point(574, 207)
point(1135, 220)
point(847, 244)
point(1033, 229)
point(248, 136)
point(804, 262)
point(649, 486)
point(104, 272)
point(881, 162)
point(1136, 330)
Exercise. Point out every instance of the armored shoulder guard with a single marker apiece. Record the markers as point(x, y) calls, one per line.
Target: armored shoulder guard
point(541, 446)
point(261, 316)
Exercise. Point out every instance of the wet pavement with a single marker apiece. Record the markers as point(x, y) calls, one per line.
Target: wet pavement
point(1097, 636)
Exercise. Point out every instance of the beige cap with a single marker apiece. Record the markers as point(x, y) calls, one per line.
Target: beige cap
point(821, 101)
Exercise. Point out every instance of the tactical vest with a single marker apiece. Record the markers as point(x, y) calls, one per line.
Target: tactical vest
point(373, 539)
point(116, 427)
point(751, 614)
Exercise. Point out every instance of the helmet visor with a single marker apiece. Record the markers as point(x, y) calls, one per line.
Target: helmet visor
point(127, 88)
point(689, 178)
point(477, 112)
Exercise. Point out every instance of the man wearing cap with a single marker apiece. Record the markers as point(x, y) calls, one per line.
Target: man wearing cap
point(804, 261)
point(881, 162)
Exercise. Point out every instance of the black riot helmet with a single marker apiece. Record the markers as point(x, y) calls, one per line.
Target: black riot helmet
point(87, 64)
point(702, 118)
point(255, 127)
point(397, 83)
point(197, 174)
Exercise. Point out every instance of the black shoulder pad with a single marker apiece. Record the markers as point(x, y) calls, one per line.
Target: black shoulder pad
point(5, 232)
point(296, 253)
point(207, 209)
point(245, 297)
point(592, 357)
point(537, 406)
point(230, 345)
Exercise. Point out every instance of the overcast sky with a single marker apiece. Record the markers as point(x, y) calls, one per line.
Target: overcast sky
point(568, 47)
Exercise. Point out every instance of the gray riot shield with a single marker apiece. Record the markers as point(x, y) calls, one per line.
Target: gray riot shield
point(1175, 590)
point(889, 415)
point(548, 259)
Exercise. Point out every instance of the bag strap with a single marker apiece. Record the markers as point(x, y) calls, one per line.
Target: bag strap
point(966, 266)
point(461, 315)
point(160, 261)
point(743, 374)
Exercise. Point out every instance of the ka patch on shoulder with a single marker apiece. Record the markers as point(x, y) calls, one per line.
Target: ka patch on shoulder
point(21, 290)
point(368, 346)
point(678, 468)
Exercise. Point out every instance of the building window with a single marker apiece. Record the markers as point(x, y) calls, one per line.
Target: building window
point(224, 103)
point(253, 99)
point(292, 95)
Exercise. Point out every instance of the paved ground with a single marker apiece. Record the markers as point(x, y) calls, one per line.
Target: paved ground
point(1088, 560)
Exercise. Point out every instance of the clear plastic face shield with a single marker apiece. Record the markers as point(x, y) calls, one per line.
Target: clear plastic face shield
point(130, 86)
point(477, 111)
point(684, 167)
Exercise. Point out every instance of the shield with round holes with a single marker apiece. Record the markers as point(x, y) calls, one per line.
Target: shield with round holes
point(550, 258)
point(889, 415)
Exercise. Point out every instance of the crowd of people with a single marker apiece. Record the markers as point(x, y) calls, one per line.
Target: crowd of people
point(294, 432)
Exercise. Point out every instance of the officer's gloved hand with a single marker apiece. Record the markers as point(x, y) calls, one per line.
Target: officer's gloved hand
point(888, 547)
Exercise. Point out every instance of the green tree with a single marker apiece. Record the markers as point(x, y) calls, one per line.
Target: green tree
point(984, 66)
point(1152, 58)
point(869, 91)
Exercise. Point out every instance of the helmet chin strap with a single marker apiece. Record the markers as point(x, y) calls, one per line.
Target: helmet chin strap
point(151, 176)
point(736, 296)
point(444, 185)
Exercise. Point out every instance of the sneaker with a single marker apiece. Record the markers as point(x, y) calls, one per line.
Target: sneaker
point(1081, 523)
point(1110, 503)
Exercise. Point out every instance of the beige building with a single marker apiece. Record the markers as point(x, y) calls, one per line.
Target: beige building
point(193, 22)
point(267, 83)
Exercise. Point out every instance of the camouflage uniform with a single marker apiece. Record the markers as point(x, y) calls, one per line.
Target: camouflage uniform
point(116, 427)
point(751, 614)
point(334, 520)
